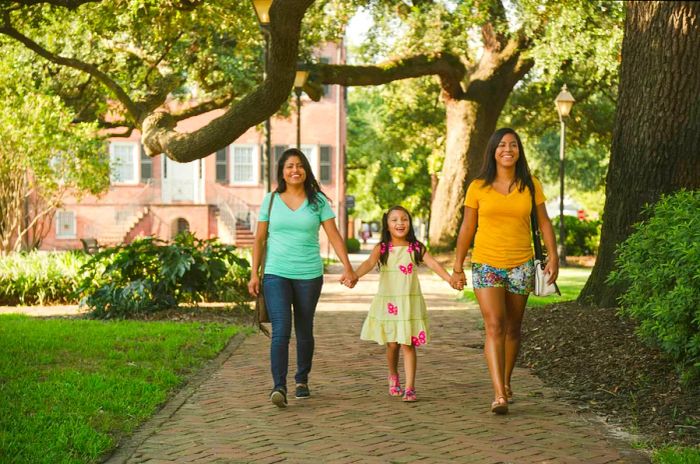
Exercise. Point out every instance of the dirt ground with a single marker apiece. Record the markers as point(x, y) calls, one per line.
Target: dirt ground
point(593, 358)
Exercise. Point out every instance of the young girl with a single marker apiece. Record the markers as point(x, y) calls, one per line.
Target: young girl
point(398, 315)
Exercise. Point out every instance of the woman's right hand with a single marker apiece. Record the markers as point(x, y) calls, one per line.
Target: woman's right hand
point(254, 285)
point(458, 280)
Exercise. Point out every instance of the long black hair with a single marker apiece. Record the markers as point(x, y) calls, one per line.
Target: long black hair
point(523, 178)
point(311, 187)
point(416, 248)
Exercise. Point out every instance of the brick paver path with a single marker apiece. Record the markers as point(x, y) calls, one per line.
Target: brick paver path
point(351, 418)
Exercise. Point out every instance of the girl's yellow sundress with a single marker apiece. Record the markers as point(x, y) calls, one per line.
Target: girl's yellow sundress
point(398, 312)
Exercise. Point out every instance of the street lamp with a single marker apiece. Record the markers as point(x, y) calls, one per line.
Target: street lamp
point(564, 102)
point(262, 10)
point(299, 82)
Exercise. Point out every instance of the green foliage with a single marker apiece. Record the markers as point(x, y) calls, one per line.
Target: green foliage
point(659, 266)
point(582, 237)
point(353, 245)
point(72, 389)
point(39, 278)
point(677, 455)
point(148, 275)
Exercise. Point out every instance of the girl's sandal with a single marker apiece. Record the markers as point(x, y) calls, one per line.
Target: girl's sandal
point(410, 395)
point(509, 394)
point(500, 405)
point(395, 386)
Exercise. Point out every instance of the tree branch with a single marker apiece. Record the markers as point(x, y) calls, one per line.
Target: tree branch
point(70, 4)
point(203, 107)
point(448, 67)
point(133, 108)
point(159, 135)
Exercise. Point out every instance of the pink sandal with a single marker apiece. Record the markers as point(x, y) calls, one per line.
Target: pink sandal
point(410, 395)
point(395, 386)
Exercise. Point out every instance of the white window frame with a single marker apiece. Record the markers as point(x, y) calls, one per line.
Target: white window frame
point(255, 164)
point(136, 161)
point(313, 155)
point(60, 234)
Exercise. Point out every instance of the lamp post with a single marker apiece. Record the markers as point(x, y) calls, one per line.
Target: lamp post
point(564, 102)
point(299, 82)
point(262, 10)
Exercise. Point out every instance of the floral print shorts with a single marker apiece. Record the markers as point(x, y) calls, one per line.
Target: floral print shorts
point(519, 280)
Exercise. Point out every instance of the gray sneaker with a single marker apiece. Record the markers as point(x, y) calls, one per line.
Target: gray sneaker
point(302, 391)
point(279, 397)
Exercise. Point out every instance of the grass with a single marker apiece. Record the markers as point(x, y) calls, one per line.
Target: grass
point(71, 389)
point(676, 455)
point(570, 282)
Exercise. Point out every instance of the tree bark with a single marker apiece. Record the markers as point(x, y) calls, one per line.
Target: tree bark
point(656, 137)
point(470, 122)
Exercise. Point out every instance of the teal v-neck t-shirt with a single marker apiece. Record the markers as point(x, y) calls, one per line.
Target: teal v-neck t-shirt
point(293, 250)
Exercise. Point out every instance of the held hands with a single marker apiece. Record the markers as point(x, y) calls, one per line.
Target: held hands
point(458, 280)
point(349, 278)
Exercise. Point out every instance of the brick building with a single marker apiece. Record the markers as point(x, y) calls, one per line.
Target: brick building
point(217, 196)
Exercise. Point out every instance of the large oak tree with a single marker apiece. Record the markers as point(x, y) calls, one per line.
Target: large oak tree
point(656, 139)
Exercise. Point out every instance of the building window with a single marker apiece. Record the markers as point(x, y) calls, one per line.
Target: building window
point(146, 167)
point(222, 166)
point(124, 164)
point(277, 151)
point(325, 165)
point(243, 162)
point(311, 152)
point(65, 224)
point(182, 225)
point(326, 87)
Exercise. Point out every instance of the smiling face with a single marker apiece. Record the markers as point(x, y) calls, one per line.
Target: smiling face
point(399, 224)
point(293, 171)
point(507, 152)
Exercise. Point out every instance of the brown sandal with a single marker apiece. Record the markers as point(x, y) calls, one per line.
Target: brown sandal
point(500, 405)
point(509, 394)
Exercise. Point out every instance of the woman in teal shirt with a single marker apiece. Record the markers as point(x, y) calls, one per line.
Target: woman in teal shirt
point(293, 266)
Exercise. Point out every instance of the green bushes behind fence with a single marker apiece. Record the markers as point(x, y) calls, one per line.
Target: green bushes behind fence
point(144, 276)
point(659, 267)
point(40, 278)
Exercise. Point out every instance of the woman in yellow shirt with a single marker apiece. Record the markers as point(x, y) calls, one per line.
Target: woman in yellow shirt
point(500, 202)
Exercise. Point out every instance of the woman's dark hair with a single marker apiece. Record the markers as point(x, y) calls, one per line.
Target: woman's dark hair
point(523, 178)
point(311, 187)
point(416, 248)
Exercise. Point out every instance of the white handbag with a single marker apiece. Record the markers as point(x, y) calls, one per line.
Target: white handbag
point(542, 288)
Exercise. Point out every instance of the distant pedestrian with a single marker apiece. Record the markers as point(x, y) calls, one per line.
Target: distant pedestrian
point(398, 316)
point(293, 266)
point(500, 202)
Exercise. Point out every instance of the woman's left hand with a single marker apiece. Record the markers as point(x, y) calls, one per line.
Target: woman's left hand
point(349, 278)
point(552, 270)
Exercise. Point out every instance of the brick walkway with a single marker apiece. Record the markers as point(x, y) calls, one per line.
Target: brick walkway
point(350, 417)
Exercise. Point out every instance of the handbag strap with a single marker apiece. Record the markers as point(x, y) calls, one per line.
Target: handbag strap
point(267, 235)
point(539, 254)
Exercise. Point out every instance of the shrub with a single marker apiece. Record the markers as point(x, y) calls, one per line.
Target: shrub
point(659, 264)
point(582, 237)
point(353, 245)
point(149, 275)
point(40, 277)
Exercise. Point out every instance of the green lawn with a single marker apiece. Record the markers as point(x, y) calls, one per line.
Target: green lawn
point(570, 282)
point(70, 389)
point(677, 455)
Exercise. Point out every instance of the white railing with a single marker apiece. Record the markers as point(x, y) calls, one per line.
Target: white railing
point(235, 211)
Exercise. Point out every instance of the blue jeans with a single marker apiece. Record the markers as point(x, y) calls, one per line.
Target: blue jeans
point(281, 294)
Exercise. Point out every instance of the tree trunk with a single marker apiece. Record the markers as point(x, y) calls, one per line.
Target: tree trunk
point(656, 138)
point(470, 122)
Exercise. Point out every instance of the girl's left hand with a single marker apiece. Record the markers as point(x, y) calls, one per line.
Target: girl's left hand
point(552, 269)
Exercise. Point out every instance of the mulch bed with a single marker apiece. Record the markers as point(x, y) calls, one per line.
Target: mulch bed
point(593, 358)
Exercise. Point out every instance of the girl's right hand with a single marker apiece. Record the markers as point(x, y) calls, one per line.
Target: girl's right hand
point(254, 285)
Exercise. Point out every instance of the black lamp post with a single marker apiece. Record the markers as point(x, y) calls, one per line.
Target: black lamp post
point(564, 102)
point(262, 10)
point(299, 82)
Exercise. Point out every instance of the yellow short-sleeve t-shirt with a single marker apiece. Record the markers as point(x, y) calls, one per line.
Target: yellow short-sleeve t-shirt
point(503, 235)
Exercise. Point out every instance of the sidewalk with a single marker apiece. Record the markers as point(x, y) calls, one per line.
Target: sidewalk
point(225, 416)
